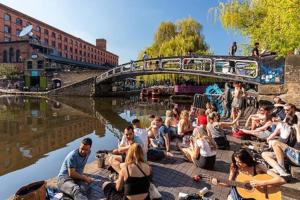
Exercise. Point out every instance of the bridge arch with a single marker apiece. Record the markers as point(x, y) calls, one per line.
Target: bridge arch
point(244, 69)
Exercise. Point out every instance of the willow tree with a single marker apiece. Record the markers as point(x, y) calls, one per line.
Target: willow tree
point(275, 24)
point(177, 39)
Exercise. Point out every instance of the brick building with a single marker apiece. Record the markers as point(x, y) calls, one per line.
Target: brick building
point(57, 41)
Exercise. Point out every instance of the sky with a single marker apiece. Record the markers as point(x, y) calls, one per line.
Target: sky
point(127, 25)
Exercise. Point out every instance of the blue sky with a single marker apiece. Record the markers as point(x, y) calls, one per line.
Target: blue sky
point(127, 25)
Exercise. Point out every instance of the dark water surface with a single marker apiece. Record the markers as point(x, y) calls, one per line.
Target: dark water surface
point(37, 133)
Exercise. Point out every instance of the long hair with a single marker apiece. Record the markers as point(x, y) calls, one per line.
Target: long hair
point(184, 114)
point(244, 156)
point(135, 154)
point(201, 134)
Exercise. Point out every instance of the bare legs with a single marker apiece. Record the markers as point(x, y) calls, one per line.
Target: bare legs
point(276, 159)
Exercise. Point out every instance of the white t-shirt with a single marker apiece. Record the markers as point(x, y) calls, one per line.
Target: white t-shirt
point(205, 149)
point(285, 130)
point(142, 133)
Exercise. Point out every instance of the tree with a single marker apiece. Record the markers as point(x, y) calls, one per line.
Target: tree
point(177, 39)
point(275, 24)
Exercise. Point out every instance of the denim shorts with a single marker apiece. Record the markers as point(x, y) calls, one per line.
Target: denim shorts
point(293, 155)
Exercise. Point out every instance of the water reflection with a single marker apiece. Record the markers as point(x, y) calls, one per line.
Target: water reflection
point(37, 133)
point(32, 127)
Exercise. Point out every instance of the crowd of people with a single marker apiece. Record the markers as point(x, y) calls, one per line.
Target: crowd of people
point(198, 133)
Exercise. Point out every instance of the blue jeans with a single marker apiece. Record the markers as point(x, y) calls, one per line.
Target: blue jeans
point(76, 189)
point(293, 155)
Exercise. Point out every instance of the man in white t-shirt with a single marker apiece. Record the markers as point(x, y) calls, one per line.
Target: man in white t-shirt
point(142, 133)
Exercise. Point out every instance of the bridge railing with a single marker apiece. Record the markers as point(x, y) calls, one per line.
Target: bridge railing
point(213, 65)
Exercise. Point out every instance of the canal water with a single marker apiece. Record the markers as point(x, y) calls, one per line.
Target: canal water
point(37, 133)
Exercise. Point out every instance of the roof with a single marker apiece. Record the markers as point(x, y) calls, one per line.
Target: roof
point(73, 62)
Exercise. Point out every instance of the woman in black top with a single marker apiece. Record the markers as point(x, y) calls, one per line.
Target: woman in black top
point(133, 182)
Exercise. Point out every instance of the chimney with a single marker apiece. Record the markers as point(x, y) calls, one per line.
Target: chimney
point(101, 44)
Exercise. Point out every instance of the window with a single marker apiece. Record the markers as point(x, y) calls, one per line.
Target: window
point(6, 17)
point(6, 29)
point(59, 45)
point(80, 52)
point(18, 32)
point(76, 43)
point(53, 44)
point(28, 23)
point(71, 41)
point(5, 56)
point(18, 56)
point(66, 48)
point(19, 21)
point(46, 32)
point(66, 39)
point(29, 64)
point(80, 45)
point(46, 41)
point(84, 46)
point(38, 29)
point(40, 64)
point(76, 51)
point(11, 55)
point(6, 39)
point(53, 35)
point(71, 49)
point(59, 36)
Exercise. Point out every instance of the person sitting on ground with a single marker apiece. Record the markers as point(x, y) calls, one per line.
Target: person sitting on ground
point(290, 110)
point(142, 133)
point(202, 150)
point(283, 130)
point(192, 114)
point(215, 130)
point(243, 163)
point(176, 114)
point(184, 125)
point(133, 181)
point(119, 154)
point(267, 129)
point(209, 108)
point(279, 107)
point(257, 119)
point(162, 139)
point(171, 123)
point(152, 130)
point(201, 118)
point(281, 150)
point(71, 179)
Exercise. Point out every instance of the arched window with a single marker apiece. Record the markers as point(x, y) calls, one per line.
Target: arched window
point(38, 29)
point(18, 59)
point(11, 55)
point(19, 21)
point(5, 56)
point(6, 17)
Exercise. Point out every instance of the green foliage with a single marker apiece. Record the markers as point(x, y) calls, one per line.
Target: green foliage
point(275, 24)
point(177, 39)
point(9, 71)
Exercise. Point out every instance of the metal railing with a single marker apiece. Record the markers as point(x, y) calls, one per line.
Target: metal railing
point(214, 66)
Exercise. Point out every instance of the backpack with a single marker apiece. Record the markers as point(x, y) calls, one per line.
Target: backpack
point(240, 135)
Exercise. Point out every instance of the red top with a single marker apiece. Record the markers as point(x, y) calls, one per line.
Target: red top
point(201, 120)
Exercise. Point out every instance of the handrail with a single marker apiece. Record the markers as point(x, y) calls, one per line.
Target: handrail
point(213, 65)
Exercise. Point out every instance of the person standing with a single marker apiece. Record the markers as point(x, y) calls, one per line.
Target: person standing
point(233, 49)
point(255, 50)
point(71, 179)
point(145, 57)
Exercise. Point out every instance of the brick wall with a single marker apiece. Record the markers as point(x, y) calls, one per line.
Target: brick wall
point(83, 88)
point(67, 45)
point(292, 79)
